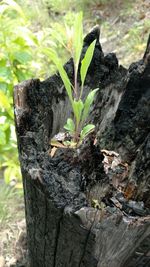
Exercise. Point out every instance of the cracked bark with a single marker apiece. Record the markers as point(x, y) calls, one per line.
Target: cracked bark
point(62, 229)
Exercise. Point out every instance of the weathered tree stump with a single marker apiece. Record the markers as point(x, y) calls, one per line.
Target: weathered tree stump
point(63, 229)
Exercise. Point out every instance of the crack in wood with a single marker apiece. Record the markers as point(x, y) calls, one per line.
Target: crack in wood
point(45, 232)
point(87, 239)
point(57, 239)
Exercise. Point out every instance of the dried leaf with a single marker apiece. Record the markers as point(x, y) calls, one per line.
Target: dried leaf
point(56, 143)
point(95, 141)
point(110, 153)
point(53, 151)
point(115, 163)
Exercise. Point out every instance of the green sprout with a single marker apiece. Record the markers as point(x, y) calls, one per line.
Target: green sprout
point(76, 127)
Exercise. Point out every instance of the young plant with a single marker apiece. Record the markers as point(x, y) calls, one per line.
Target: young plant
point(76, 127)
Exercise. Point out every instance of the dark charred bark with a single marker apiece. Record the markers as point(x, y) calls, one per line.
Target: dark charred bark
point(63, 229)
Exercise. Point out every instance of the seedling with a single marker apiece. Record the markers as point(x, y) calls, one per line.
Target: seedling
point(76, 127)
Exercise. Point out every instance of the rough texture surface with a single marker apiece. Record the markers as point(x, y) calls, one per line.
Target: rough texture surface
point(63, 230)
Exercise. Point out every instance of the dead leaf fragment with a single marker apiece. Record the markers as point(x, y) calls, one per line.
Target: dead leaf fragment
point(53, 151)
point(57, 143)
point(110, 153)
point(115, 168)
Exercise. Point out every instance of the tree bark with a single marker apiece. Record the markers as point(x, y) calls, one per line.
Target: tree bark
point(63, 229)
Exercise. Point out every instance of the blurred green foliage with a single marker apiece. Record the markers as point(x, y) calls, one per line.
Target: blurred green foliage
point(20, 46)
point(15, 60)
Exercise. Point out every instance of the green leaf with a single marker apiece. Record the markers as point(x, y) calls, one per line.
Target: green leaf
point(22, 56)
point(69, 126)
point(4, 126)
point(5, 72)
point(3, 85)
point(12, 5)
point(4, 101)
point(3, 8)
point(2, 137)
point(29, 38)
point(21, 76)
point(3, 60)
point(65, 79)
point(78, 38)
point(8, 175)
point(7, 132)
point(86, 61)
point(64, 76)
point(88, 102)
point(77, 109)
point(70, 144)
point(86, 130)
point(20, 41)
point(58, 33)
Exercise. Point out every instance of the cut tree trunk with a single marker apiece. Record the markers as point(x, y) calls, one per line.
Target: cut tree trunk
point(64, 228)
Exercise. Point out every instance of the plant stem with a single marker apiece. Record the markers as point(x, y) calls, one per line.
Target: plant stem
point(81, 92)
point(76, 135)
point(75, 81)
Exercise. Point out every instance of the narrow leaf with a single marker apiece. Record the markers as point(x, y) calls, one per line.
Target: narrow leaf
point(78, 38)
point(88, 102)
point(78, 108)
point(86, 61)
point(56, 143)
point(64, 76)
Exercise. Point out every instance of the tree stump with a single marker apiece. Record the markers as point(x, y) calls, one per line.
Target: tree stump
point(77, 213)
